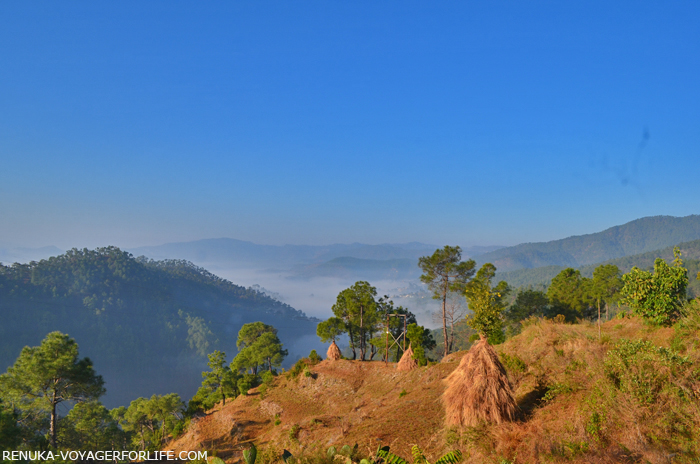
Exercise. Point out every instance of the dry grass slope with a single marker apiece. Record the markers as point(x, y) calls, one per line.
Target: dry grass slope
point(580, 399)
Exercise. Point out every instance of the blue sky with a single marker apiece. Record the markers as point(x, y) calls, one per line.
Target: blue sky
point(472, 123)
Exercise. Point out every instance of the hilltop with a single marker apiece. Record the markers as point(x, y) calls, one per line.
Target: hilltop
point(146, 325)
point(576, 405)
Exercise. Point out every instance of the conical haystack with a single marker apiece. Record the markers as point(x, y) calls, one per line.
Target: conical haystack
point(478, 390)
point(407, 363)
point(333, 353)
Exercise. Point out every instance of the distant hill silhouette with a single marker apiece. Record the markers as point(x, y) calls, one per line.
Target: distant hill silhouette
point(639, 236)
point(232, 253)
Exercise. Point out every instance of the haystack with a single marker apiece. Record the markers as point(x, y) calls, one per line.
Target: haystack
point(407, 363)
point(478, 390)
point(333, 353)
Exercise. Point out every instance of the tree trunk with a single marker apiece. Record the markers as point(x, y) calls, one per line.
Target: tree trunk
point(52, 429)
point(452, 334)
point(444, 322)
point(599, 336)
point(352, 344)
point(362, 335)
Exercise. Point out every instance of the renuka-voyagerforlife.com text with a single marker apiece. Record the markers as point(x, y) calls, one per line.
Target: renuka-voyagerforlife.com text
point(110, 455)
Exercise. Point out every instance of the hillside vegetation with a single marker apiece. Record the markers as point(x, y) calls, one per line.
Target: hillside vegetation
point(630, 396)
point(146, 325)
point(639, 236)
point(541, 276)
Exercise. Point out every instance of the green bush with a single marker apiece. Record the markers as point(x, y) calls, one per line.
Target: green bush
point(297, 369)
point(513, 363)
point(314, 358)
point(642, 369)
point(294, 432)
point(247, 382)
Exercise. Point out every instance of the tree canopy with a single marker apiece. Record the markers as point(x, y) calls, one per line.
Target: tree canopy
point(658, 295)
point(487, 303)
point(444, 272)
point(49, 374)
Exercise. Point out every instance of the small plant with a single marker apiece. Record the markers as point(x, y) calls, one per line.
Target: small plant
point(307, 372)
point(216, 460)
point(388, 457)
point(267, 378)
point(294, 432)
point(278, 421)
point(594, 426)
point(403, 393)
point(331, 452)
point(555, 390)
point(513, 363)
point(250, 454)
point(297, 369)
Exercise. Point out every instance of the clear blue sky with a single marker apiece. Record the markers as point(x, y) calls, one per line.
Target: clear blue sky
point(137, 123)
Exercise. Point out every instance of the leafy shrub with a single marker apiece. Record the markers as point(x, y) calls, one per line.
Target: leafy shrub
point(246, 382)
point(250, 454)
point(642, 369)
point(294, 432)
point(657, 296)
point(314, 358)
point(555, 390)
point(267, 377)
point(513, 363)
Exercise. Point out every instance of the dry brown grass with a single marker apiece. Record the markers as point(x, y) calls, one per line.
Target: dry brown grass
point(478, 390)
point(569, 409)
point(333, 353)
point(407, 363)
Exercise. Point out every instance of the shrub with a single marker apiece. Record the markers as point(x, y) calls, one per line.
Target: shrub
point(642, 369)
point(314, 358)
point(513, 363)
point(294, 432)
point(657, 296)
point(247, 382)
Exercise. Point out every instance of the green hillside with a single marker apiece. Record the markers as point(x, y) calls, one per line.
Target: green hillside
point(639, 236)
point(146, 325)
point(541, 276)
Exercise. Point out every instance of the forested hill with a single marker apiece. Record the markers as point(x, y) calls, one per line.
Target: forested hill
point(147, 325)
point(639, 236)
point(540, 277)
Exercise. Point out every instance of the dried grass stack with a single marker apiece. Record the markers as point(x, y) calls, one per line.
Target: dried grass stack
point(478, 390)
point(407, 363)
point(333, 353)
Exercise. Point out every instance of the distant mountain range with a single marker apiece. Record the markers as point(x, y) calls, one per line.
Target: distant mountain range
point(338, 260)
point(639, 236)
